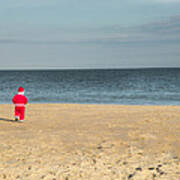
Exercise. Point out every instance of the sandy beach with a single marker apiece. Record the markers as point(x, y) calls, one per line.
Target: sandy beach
point(90, 142)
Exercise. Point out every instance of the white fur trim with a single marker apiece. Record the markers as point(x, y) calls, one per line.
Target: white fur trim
point(20, 120)
point(20, 105)
point(21, 93)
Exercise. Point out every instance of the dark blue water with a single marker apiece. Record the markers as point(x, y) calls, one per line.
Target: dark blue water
point(116, 86)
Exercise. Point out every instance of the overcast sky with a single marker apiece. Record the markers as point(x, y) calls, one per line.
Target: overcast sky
point(89, 34)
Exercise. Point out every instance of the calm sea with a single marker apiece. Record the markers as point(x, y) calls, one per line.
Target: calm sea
point(159, 86)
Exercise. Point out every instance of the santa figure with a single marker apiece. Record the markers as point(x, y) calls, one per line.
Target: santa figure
point(20, 101)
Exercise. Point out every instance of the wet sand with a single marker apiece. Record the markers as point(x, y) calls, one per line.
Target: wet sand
point(90, 142)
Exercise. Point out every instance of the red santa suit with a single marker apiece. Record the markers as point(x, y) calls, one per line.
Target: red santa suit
point(20, 101)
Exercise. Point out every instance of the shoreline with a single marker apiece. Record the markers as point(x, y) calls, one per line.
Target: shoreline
point(98, 104)
point(87, 141)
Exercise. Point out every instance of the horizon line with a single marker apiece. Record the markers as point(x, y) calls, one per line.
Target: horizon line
point(86, 68)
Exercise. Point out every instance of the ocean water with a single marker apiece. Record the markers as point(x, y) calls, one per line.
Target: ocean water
point(159, 86)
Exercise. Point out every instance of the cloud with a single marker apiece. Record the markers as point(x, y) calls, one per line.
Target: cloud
point(167, 1)
point(163, 31)
point(29, 3)
point(166, 31)
point(159, 1)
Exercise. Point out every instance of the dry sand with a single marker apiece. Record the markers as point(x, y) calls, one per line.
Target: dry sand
point(90, 142)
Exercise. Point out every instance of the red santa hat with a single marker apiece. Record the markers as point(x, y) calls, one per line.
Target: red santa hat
point(21, 90)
